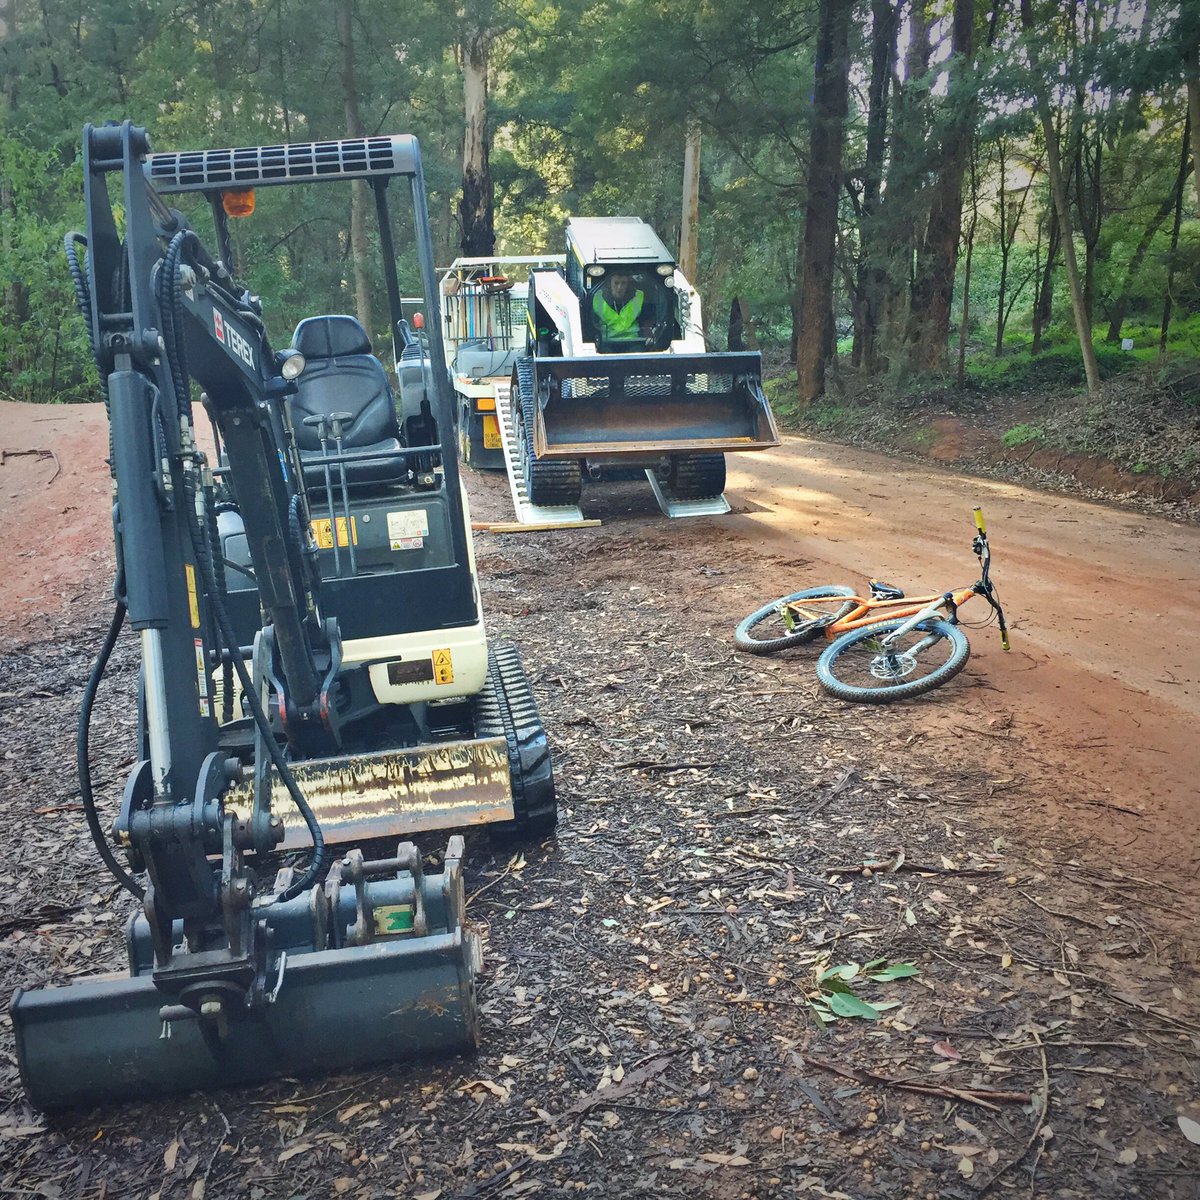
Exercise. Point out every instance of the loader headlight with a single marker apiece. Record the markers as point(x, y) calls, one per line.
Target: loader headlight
point(666, 269)
point(595, 272)
point(292, 364)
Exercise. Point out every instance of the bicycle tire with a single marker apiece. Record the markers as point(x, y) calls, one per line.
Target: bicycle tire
point(744, 635)
point(837, 653)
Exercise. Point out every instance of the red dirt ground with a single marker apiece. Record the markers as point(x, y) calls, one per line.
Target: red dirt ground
point(1091, 719)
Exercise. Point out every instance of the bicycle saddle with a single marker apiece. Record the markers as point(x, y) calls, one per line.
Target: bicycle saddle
point(885, 591)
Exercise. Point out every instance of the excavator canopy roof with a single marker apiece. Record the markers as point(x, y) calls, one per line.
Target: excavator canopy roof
point(615, 240)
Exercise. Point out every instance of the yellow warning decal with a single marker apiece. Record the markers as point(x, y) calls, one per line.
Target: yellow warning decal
point(491, 433)
point(323, 532)
point(193, 599)
point(443, 667)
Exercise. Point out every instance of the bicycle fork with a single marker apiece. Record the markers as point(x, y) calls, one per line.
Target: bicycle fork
point(930, 610)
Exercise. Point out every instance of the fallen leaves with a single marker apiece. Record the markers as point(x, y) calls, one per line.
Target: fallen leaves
point(478, 1089)
point(711, 1160)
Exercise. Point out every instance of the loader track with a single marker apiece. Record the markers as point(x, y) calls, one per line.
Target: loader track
point(697, 476)
point(506, 708)
point(549, 483)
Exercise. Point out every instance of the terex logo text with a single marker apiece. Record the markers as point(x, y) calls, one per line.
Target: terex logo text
point(232, 340)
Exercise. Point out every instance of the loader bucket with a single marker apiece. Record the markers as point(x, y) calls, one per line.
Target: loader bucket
point(338, 1008)
point(640, 404)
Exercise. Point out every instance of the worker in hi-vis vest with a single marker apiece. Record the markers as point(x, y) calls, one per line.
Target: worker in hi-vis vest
point(618, 308)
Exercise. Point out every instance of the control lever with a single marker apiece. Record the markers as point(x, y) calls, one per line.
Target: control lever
point(336, 421)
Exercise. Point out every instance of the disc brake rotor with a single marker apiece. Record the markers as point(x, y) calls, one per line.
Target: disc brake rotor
point(893, 666)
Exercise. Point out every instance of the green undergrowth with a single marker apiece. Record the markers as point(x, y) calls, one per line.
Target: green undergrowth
point(1061, 367)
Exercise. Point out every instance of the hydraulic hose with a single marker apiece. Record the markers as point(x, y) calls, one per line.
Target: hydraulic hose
point(122, 876)
point(83, 299)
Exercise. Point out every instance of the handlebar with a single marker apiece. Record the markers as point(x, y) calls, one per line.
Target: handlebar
point(984, 587)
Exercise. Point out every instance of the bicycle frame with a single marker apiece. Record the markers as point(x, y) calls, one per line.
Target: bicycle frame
point(871, 612)
point(874, 611)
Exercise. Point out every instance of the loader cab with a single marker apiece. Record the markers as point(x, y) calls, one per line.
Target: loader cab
point(625, 280)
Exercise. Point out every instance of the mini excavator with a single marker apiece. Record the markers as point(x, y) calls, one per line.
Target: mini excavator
point(314, 667)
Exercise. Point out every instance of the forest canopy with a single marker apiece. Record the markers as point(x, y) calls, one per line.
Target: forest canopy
point(899, 186)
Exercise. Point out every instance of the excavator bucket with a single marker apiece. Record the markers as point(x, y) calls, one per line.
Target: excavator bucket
point(372, 969)
point(616, 405)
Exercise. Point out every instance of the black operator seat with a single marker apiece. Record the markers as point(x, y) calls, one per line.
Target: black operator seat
point(341, 375)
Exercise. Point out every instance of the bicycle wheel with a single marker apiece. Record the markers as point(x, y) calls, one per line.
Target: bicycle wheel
point(765, 630)
point(859, 667)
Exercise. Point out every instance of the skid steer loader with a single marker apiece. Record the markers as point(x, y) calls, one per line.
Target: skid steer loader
point(618, 377)
point(314, 668)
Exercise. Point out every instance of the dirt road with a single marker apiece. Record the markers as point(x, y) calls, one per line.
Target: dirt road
point(645, 1006)
point(1099, 698)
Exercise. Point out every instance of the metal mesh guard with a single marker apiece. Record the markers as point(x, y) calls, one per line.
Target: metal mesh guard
point(196, 169)
point(597, 386)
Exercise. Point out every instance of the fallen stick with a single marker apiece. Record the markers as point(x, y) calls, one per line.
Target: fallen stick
point(36, 453)
point(1043, 1109)
point(618, 1091)
point(982, 1097)
point(533, 527)
point(649, 764)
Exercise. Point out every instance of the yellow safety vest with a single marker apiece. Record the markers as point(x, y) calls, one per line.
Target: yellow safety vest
point(619, 323)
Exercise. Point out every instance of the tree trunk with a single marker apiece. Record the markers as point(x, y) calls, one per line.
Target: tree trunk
point(1043, 305)
point(1166, 318)
point(872, 265)
point(964, 326)
point(905, 197)
point(830, 101)
point(1090, 206)
point(933, 293)
point(360, 194)
point(742, 334)
point(477, 208)
point(1005, 250)
point(689, 225)
point(1061, 207)
point(1193, 90)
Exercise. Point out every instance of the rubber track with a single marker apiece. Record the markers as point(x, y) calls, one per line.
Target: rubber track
point(506, 707)
point(549, 483)
point(697, 476)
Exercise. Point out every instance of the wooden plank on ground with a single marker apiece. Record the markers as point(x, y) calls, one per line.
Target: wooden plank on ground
point(535, 527)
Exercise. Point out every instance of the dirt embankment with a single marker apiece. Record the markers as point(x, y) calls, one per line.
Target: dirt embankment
point(1136, 443)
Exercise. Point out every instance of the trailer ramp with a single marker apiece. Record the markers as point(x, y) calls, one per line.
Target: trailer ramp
point(554, 515)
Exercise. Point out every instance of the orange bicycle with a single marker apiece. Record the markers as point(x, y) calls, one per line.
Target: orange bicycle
point(883, 647)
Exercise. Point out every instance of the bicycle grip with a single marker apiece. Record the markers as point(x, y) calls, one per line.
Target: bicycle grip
point(978, 512)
